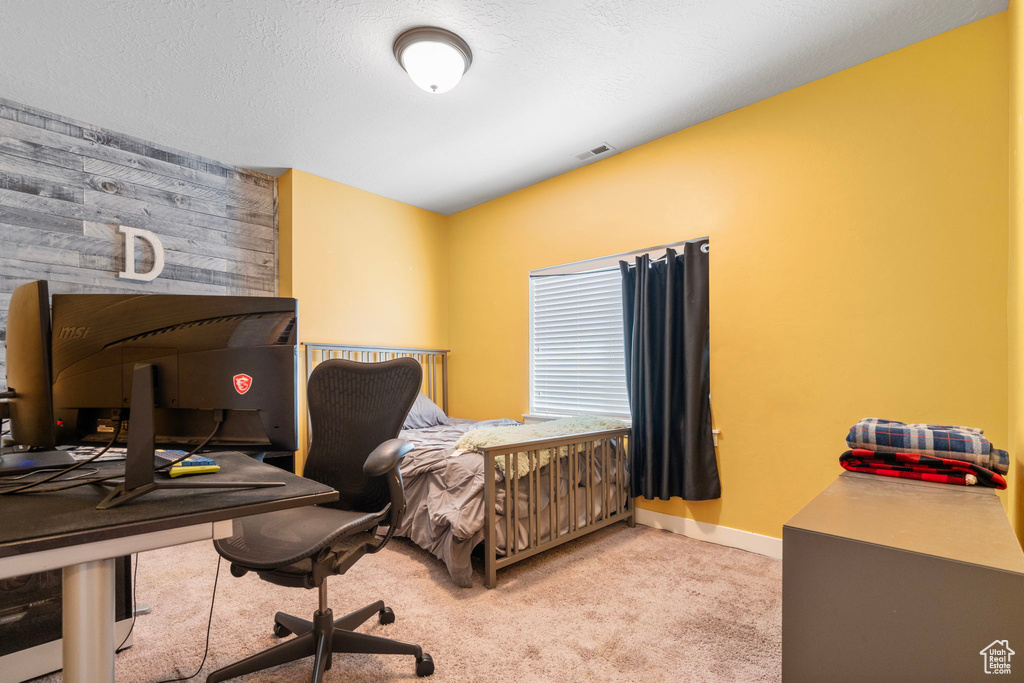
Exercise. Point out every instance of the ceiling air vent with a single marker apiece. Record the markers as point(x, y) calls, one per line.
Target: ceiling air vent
point(603, 148)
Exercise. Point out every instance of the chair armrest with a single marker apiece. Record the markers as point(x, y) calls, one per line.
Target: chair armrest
point(384, 462)
point(386, 457)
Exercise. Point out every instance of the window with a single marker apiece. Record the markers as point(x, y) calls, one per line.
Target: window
point(576, 360)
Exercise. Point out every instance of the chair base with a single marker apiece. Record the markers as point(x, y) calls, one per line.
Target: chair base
point(321, 638)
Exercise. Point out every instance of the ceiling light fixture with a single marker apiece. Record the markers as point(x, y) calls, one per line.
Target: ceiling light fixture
point(434, 58)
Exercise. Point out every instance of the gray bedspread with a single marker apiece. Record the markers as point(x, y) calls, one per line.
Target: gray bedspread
point(445, 497)
point(444, 494)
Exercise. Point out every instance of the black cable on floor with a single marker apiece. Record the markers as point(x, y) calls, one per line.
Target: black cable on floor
point(209, 623)
point(135, 576)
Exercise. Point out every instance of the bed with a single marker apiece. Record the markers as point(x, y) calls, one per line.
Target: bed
point(460, 502)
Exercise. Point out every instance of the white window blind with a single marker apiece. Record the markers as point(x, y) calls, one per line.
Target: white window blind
point(576, 360)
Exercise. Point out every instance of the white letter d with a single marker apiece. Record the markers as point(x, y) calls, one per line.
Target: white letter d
point(129, 272)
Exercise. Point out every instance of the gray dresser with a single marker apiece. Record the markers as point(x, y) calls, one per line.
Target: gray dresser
point(897, 580)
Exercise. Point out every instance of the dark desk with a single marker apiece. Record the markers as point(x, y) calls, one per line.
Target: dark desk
point(889, 579)
point(48, 531)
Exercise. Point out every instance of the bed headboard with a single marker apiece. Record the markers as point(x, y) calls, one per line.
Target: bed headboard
point(433, 361)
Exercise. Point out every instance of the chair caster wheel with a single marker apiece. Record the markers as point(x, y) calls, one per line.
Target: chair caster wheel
point(387, 616)
point(424, 665)
point(281, 631)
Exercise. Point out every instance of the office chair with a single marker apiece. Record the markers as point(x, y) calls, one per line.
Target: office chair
point(356, 411)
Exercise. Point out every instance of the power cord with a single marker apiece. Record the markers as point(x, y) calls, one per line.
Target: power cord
point(18, 477)
point(33, 484)
point(82, 482)
point(209, 623)
point(218, 419)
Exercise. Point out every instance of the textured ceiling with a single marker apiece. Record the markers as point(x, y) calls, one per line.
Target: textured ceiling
point(312, 84)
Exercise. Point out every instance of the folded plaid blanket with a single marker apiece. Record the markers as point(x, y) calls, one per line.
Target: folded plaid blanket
point(942, 441)
point(922, 467)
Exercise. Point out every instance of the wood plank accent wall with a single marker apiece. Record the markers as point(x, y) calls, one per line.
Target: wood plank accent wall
point(66, 186)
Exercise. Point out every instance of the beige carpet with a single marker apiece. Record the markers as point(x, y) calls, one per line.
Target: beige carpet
point(621, 604)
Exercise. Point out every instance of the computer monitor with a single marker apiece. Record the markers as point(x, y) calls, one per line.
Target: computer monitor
point(28, 400)
point(28, 366)
point(229, 358)
point(147, 370)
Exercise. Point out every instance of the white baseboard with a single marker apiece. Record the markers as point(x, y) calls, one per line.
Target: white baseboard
point(702, 531)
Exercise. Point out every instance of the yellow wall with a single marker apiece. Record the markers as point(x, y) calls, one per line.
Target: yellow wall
point(858, 232)
point(365, 269)
point(1016, 263)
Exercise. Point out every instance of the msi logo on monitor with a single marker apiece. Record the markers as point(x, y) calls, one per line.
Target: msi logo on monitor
point(242, 383)
point(72, 332)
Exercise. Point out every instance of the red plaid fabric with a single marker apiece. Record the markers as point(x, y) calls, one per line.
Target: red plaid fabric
point(922, 467)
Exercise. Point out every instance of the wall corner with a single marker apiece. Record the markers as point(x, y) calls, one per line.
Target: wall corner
point(285, 188)
point(1015, 280)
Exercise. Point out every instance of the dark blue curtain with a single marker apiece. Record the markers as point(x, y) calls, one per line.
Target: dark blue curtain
point(665, 319)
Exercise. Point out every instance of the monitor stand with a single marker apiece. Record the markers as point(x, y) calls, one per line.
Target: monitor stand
point(22, 462)
point(139, 465)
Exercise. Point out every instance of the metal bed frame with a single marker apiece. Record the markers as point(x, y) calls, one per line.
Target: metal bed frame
point(433, 361)
point(577, 446)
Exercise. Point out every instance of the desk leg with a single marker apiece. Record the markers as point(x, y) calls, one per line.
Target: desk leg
point(89, 622)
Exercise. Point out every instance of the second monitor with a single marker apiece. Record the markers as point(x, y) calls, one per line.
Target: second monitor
point(214, 358)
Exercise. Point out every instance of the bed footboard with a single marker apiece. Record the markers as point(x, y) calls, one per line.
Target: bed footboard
point(596, 465)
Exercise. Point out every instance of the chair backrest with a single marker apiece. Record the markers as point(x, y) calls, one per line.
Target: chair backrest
point(353, 408)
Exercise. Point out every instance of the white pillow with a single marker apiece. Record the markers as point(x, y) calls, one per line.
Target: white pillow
point(424, 413)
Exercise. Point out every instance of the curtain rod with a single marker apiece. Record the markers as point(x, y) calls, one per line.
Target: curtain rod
point(611, 261)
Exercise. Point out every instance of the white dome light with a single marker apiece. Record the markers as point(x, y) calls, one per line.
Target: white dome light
point(434, 58)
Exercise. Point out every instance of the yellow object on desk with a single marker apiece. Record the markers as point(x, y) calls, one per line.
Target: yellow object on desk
point(178, 470)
